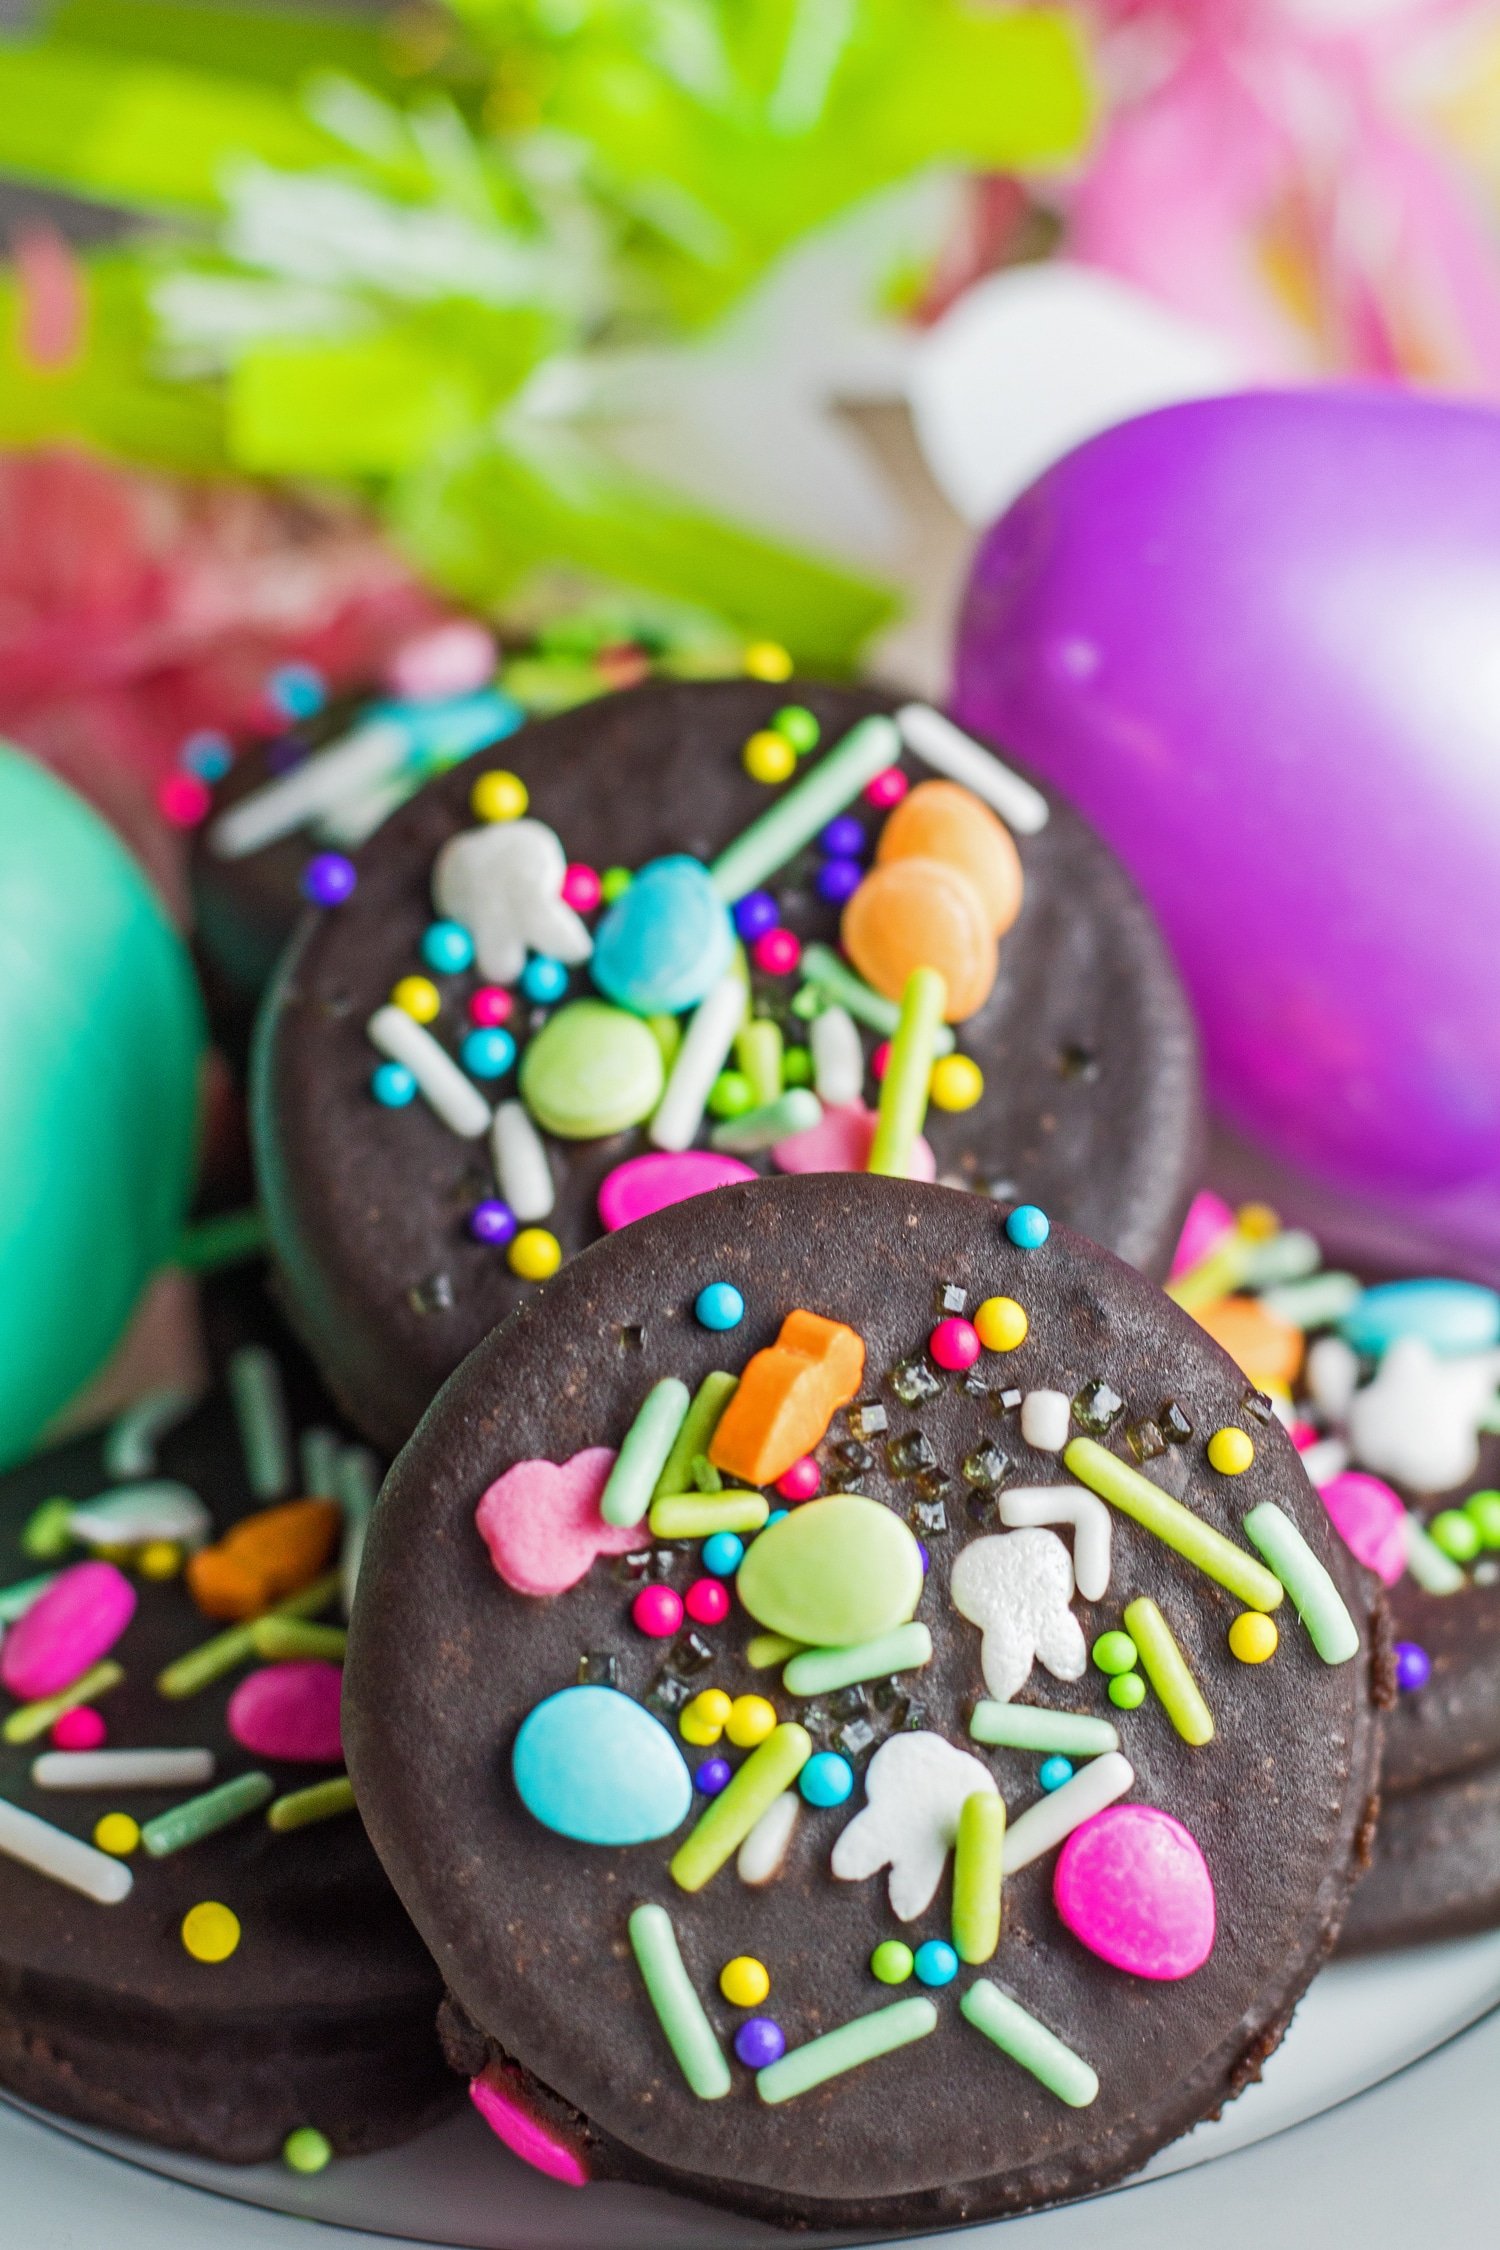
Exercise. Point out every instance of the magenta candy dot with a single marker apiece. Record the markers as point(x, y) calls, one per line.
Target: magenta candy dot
point(290, 1711)
point(887, 788)
point(801, 1481)
point(80, 1729)
point(708, 1601)
point(69, 1627)
point(183, 800)
point(1132, 1885)
point(777, 953)
point(1370, 1519)
point(954, 1344)
point(581, 888)
point(657, 1612)
point(880, 1061)
point(490, 1006)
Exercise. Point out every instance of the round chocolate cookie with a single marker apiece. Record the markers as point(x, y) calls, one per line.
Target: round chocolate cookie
point(1435, 1869)
point(802, 1539)
point(403, 1235)
point(119, 2003)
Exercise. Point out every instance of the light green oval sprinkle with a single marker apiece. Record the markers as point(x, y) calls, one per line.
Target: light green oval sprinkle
point(758, 1049)
point(765, 1649)
point(837, 983)
point(48, 1532)
point(1167, 1669)
point(278, 1638)
point(771, 1767)
point(903, 1090)
point(590, 1071)
point(1315, 1597)
point(864, 2040)
point(796, 1111)
point(643, 1455)
point(679, 2011)
point(260, 1411)
point(29, 1720)
point(198, 1817)
point(16, 1600)
point(1016, 2032)
point(794, 819)
point(210, 1660)
point(696, 1435)
point(1317, 1302)
point(301, 1807)
point(818, 1671)
point(1173, 1524)
point(696, 1515)
point(1026, 1726)
point(978, 1870)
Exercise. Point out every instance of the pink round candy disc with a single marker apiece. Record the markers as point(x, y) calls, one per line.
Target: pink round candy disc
point(1132, 1885)
point(66, 1630)
point(525, 2136)
point(290, 1711)
point(840, 1142)
point(1370, 1519)
point(643, 1184)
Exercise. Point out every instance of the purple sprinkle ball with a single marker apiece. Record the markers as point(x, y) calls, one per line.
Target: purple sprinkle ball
point(756, 913)
point(1413, 1666)
point(839, 879)
point(328, 879)
point(759, 2042)
point(843, 838)
point(712, 1776)
point(492, 1221)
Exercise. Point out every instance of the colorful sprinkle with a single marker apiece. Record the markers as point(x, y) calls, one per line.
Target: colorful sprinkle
point(903, 1091)
point(769, 758)
point(487, 1053)
point(122, 1769)
point(722, 1554)
point(1253, 1637)
point(417, 997)
point(447, 948)
point(1315, 1597)
point(827, 1779)
point(766, 660)
point(707, 1601)
point(764, 1849)
point(701, 1721)
point(210, 1932)
point(1115, 1652)
point(696, 1069)
point(1045, 1824)
point(300, 1808)
point(1027, 1726)
point(117, 1834)
point(853, 2044)
point(1454, 1533)
point(821, 1671)
point(822, 791)
point(777, 954)
point(892, 1962)
point(200, 1667)
point(190, 1822)
point(657, 1612)
point(1028, 1226)
point(306, 2150)
point(770, 1768)
point(1176, 1526)
point(1054, 1771)
point(719, 1306)
point(978, 1868)
point(493, 1223)
point(82, 1728)
point(954, 1344)
point(744, 1981)
point(759, 2042)
point(754, 914)
point(1230, 1451)
point(29, 1720)
point(712, 1777)
point(393, 1085)
point(52, 1852)
point(886, 788)
point(802, 1481)
point(1017, 2033)
point(535, 1255)
point(1413, 1667)
point(1002, 1325)
point(749, 1720)
point(957, 1084)
point(1167, 1669)
point(328, 879)
point(1127, 1692)
point(498, 796)
point(449, 1094)
point(696, 1515)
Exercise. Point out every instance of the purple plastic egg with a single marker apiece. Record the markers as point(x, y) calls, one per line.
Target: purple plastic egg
point(1254, 639)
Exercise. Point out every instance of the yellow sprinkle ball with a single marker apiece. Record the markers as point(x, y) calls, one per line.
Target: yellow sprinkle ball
point(535, 1254)
point(1001, 1324)
point(751, 1719)
point(957, 1082)
point(159, 1558)
point(1252, 1638)
point(767, 660)
point(1257, 1221)
point(498, 796)
point(744, 1981)
point(1230, 1451)
point(419, 996)
point(769, 757)
point(704, 1719)
point(117, 1834)
point(210, 1931)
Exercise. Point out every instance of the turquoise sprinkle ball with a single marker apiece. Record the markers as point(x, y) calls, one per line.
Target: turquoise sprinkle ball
point(722, 1554)
point(1028, 1226)
point(544, 980)
point(447, 948)
point(487, 1053)
point(393, 1085)
point(936, 1963)
point(719, 1306)
point(827, 1779)
point(1054, 1772)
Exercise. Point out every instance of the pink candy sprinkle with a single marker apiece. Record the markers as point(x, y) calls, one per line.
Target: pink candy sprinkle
point(777, 953)
point(708, 1601)
point(290, 1711)
point(1370, 1519)
point(490, 1006)
point(802, 1481)
point(541, 1521)
point(581, 888)
point(656, 1612)
point(452, 659)
point(525, 2136)
point(886, 788)
point(880, 1061)
point(1208, 1221)
point(184, 800)
point(68, 1628)
point(954, 1344)
point(647, 1183)
point(1132, 1885)
point(80, 1729)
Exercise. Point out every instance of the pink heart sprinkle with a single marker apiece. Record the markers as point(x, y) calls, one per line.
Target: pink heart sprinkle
point(542, 1525)
point(1208, 1221)
point(643, 1184)
point(840, 1142)
point(66, 1630)
point(1371, 1521)
point(525, 2136)
point(1132, 1885)
point(290, 1711)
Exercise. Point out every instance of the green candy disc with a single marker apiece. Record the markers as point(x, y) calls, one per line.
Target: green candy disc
point(591, 1070)
point(833, 1572)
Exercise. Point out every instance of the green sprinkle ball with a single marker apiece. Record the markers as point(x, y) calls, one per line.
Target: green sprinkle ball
point(1456, 1533)
point(1127, 1691)
point(613, 884)
point(730, 1095)
point(796, 725)
point(307, 2150)
point(1483, 1511)
point(1115, 1653)
point(892, 1962)
point(797, 1070)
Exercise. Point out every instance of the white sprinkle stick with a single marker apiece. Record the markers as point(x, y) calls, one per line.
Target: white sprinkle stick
point(360, 759)
point(520, 1160)
point(699, 1059)
point(764, 1849)
point(51, 1851)
point(354, 820)
point(138, 1513)
point(455, 1099)
point(1045, 1824)
point(356, 1486)
point(1057, 1503)
point(130, 1447)
point(838, 1058)
point(948, 750)
point(122, 1769)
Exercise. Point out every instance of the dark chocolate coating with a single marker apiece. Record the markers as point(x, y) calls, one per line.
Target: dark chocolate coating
point(324, 2015)
point(1090, 1106)
point(529, 1930)
point(1436, 1866)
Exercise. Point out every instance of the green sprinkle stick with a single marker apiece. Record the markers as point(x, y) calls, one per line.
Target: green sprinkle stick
point(232, 1238)
point(764, 1650)
point(824, 789)
point(1218, 1275)
point(1167, 1669)
point(356, 1481)
point(260, 1410)
point(1317, 1302)
point(29, 1720)
point(903, 1090)
point(1017, 2033)
point(278, 1638)
point(1315, 1597)
point(978, 1869)
point(795, 1111)
point(771, 1767)
point(1176, 1526)
point(210, 1660)
point(679, 2011)
point(132, 1439)
point(696, 1515)
point(758, 1051)
point(323, 1801)
point(318, 1452)
point(818, 1671)
point(16, 1600)
point(833, 978)
point(203, 1816)
point(643, 1455)
point(864, 2040)
point(1025, 1726)
point(696, 1435)
point(1434, 1572)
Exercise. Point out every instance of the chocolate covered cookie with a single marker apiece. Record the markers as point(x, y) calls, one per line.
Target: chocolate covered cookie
point(197, 1943)
point(668, 945)
point(1435, 1869)
point(865, 1708)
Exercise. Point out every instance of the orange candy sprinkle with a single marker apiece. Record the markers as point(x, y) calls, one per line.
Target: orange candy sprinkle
point(922, 914)
point(941, 820)
point(263, 1558)
point(788, 1395)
